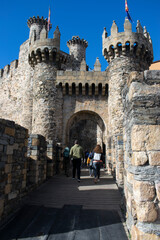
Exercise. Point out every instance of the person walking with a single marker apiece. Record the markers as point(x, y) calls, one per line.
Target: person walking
point(66, 160)
point(76, 155)
point(90, 164)
point(97, 161)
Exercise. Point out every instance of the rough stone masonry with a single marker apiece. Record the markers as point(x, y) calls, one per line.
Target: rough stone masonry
point(56, 99)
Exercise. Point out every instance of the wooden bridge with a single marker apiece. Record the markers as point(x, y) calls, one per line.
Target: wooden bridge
point(63, 209)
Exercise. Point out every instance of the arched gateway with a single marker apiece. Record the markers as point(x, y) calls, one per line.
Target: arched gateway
point(88, 127)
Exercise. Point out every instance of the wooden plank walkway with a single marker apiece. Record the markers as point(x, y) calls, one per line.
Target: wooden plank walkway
point(63, 209)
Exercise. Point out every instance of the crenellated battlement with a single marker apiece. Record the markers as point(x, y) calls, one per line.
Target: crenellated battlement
point(131, 44)
point(37, 20)
point(45, 51)
point(77, 48)
point(36, 26)
point(9, 67)
point(42, 48)
point(77, 40)
point(83, 83)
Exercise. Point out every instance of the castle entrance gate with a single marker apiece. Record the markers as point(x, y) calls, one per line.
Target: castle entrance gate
point(88, 127)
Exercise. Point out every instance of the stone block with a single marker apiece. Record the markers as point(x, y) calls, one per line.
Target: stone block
point(24, 171)
point(146, 212)
point(10, 131)
point(12, 195)
point(9, 150)
point(1, 206)
point(35, 142)
point(158, 207)
point(139, 158)
point(24, 184)
point(1, 148)
point(145, 137)
point(133, 209)
point(129, 201)
point(158, 190)
point(154, 158)
point(9, 159)
point(130, 177)
point(26, 142)
point(25, 165)
point(16, 146)
point(8, 168)
point(9, 178)
point(136, 234)
point(143, 191)
point(8, 188)
point(34, 157)
point(34, 153)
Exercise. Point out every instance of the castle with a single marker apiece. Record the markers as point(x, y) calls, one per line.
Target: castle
point(51, 93)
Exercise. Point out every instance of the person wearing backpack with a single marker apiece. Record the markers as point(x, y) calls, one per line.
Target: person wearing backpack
point(90, 163)
point(66, 160)
point(97, 162)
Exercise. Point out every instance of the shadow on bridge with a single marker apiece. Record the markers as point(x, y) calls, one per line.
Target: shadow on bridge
point(64, 209)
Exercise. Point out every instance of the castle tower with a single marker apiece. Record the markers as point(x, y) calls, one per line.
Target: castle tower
point(36, 25)
point(125, 52)
point(45, 58)
point(77, 48)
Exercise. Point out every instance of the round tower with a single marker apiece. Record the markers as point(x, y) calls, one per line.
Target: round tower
point(36, 24)
point(77, 48)
point(45, 58)
point(125, 52)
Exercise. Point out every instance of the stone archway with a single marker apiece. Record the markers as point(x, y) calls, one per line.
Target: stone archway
point(86, 126)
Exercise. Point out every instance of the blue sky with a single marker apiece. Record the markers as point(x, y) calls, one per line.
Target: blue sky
point(84, 18)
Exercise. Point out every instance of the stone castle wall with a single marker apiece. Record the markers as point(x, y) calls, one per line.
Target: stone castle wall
point(82, 100)
point(16, 90)
point(43, 93)
point(26, 161)
point(13, 165)
point(142, 154)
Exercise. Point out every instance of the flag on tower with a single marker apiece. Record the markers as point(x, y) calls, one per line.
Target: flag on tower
point(49, 21)
point(127, 11)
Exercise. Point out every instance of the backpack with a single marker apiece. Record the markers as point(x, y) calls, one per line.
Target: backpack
point(66, 152)
point(91, 155)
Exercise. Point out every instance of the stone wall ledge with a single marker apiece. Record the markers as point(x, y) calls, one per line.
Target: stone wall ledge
point(151, 228)
point(145, 173)
point(152, 76)
point(81, 73)
point(141, 91)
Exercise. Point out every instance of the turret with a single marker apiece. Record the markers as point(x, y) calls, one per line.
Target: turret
point(42, 48)
point(45, 57)
point(77, 48)
point(36, 25)
point(136, 45)
point(125, 52)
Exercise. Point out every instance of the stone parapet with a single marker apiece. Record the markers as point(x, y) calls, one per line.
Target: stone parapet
point(46, 51)
point(25, 163)
point(37, 20)
point(13, 166)
point(37, 168)
point(142, 147)
point(9, 68)
point(136, 45)
point(82, 82)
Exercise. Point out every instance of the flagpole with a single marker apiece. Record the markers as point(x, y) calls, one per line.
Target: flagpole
point(49, 20)
point(127, 12)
